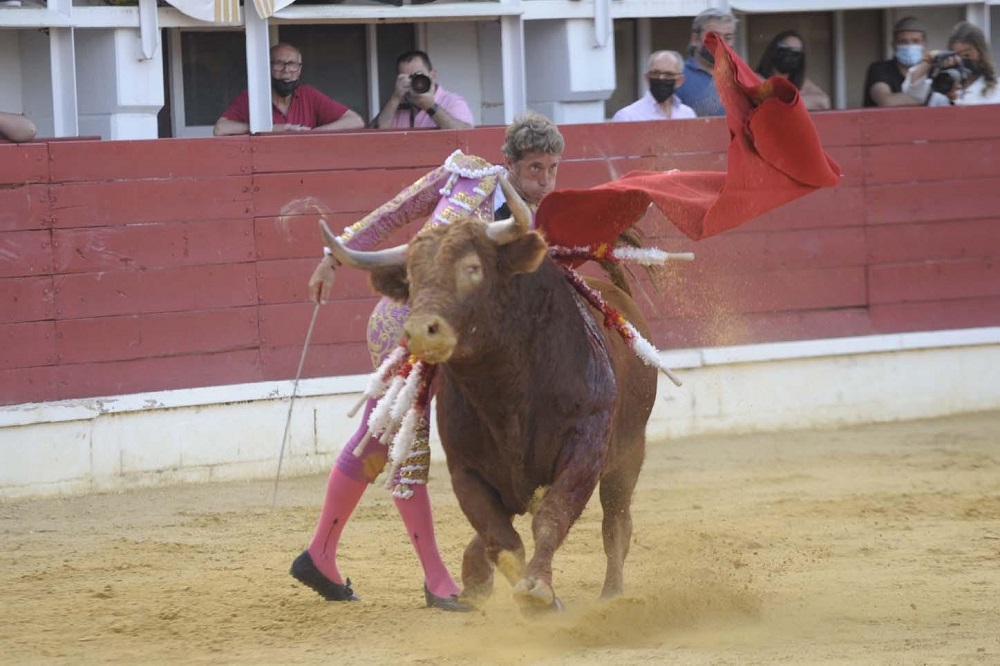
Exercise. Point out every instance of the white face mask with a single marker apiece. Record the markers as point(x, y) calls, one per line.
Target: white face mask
point(909, 55)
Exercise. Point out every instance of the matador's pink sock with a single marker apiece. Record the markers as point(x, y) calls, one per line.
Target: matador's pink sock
point(419, 522)
point(342, 494)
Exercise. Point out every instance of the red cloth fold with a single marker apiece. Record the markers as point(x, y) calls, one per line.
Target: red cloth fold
point(774, 156)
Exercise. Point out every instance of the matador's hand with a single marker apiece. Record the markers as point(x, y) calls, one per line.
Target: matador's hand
point(321, 281)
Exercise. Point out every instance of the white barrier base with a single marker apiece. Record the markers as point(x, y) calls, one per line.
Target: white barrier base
point(234, 432)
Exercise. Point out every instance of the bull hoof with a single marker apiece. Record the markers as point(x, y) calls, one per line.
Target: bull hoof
point(536, 597)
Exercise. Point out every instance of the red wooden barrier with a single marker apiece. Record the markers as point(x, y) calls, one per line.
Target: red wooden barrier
point(148, 265)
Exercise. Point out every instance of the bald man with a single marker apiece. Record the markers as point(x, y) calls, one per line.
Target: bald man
point(664, 75)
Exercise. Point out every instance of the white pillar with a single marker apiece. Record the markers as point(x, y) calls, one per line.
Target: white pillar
point(258, 71)
point(512, 48)
point(643, 49)
point(978, 13)
point(839, 62)
point(62, 55)
point(371, 46)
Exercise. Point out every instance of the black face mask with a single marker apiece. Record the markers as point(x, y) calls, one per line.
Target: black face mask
point(283, 88)
point(661, 89)
point(971, 65)
point(786, 60)
point(706, 55)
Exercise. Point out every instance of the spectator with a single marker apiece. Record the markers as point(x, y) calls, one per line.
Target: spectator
point(884, 81)
point(295, 106)
point(785, 56)
point(699, 87)
point(418, 100)
point(977, 84)
point(16, 127)
point(664, 75)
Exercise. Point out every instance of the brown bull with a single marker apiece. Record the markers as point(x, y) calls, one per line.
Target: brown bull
point(534, 394)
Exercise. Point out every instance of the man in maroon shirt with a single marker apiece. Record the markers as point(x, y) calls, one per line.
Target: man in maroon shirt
point(295, 107)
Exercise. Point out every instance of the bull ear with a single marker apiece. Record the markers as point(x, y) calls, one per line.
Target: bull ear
point(391, 282)
point(525, 254)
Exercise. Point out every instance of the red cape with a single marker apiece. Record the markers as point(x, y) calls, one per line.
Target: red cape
point(774, 156)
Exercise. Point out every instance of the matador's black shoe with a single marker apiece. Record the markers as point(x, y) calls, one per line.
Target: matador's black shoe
point(451, 603)
point(304, 570)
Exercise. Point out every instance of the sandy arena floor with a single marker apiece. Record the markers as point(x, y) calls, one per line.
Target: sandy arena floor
point(873, 545)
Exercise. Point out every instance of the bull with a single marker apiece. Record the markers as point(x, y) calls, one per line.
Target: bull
point(538, 402)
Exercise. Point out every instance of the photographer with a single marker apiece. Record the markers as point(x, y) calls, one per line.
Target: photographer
point(963, 75)
point(418, 101)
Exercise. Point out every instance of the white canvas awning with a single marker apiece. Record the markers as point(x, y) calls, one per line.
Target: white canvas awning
point(772, 6)
point(226, 11)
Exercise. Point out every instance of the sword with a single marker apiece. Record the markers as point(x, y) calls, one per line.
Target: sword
point(291, 403)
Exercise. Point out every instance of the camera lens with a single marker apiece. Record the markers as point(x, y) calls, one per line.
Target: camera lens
point(944, 81)
point(420, 83)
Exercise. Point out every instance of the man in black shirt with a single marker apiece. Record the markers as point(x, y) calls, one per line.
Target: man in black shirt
point(884, 82)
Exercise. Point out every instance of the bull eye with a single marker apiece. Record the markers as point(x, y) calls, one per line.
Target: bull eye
point(468, 274)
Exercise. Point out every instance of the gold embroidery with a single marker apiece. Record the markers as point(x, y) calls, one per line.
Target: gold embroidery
point(385, 327)
point(472, 201)
point(451, 215)
point(417, 464)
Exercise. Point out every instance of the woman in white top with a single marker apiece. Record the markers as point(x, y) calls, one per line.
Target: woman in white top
point(979, 85)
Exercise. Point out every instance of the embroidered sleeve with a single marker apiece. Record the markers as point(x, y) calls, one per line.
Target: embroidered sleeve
point(417, 200)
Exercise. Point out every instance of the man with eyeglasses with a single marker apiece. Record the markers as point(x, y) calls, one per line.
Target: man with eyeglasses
point(295, 107)
point(664, 75)
point(699, 92)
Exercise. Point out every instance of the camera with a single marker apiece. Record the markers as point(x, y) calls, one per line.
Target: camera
point(420, 83)
point(944, 80)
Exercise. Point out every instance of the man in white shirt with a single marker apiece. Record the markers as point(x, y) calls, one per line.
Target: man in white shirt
point(664, 75)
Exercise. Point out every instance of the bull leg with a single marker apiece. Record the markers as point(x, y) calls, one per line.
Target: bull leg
point(477, 572)
point(496, 541)
point(616, 527)
point(562, 505)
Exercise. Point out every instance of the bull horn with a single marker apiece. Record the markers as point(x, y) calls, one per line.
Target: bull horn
point(388, 258)
point(519, 222)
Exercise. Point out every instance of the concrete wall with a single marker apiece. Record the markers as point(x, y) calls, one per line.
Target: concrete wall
point(455, 51)
point(10, 73)
point(490, 74)
point(569, 75)
point(36, 69)
point(120, 92)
